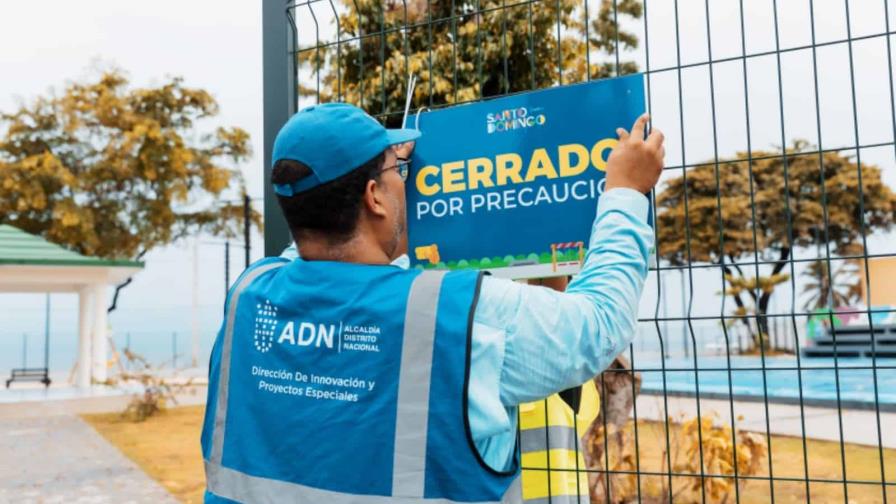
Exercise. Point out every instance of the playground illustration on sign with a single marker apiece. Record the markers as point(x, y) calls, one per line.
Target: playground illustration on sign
point(511, 185)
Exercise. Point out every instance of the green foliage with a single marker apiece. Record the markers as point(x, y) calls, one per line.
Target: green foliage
point(458, 50)
point(112, 171)
point(570, 255)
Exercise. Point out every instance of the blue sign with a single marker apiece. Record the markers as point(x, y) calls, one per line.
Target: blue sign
point(511, 184)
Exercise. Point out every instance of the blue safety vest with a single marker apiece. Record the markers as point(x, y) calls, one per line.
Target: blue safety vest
point(345, 383)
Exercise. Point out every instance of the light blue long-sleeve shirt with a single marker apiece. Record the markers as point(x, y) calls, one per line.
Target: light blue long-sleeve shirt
point(530, 342)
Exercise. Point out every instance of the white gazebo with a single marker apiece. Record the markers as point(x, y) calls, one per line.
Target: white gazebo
point(29, 263)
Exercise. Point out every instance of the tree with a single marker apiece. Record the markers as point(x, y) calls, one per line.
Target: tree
point(830, 291)
point(114, 172)
point(457, 50)
point(720, 228)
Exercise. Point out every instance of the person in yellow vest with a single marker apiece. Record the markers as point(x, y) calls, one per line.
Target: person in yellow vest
point(550, 446)
point(550, 434)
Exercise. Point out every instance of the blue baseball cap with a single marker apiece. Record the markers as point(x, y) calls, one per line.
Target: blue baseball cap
point(332, 139)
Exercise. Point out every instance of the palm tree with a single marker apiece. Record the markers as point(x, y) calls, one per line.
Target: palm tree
point(830, 291)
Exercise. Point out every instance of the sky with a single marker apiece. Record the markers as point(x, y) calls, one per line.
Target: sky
point(216, 45)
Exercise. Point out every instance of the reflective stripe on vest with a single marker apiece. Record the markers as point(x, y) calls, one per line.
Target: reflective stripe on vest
point(411, 423)
point(555, 437)
point(242, 487)
point(224, 379)
point(409, 465)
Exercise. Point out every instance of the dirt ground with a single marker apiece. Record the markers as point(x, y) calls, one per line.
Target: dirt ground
point(824, 462)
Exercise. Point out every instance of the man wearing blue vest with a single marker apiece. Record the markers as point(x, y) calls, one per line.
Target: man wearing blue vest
point(341, 376)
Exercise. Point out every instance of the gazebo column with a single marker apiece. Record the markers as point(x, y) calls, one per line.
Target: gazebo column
point(100, 345)
point(85, 361)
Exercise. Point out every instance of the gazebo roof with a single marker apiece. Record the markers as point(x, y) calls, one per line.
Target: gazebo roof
point(19, 247)
point(29, 263)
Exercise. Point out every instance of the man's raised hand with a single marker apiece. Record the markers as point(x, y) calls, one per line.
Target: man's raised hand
point(636, 162)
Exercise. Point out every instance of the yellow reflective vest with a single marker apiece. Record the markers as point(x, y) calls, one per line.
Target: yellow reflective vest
point(550, 434)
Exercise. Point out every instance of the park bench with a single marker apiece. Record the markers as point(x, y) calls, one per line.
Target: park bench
point(29, 374)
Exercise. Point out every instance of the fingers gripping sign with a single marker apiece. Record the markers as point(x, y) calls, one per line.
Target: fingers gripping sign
point(636, 162)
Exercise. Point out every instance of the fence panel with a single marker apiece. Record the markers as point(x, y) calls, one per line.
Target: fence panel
point(764, 367)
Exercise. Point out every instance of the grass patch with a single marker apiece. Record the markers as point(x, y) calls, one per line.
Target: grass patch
point(166, 447)
point(824, 462)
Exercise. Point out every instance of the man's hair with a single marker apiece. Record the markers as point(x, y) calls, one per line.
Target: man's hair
point(330, 210)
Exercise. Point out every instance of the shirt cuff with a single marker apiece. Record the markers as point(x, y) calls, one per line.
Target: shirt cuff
point(625, 199)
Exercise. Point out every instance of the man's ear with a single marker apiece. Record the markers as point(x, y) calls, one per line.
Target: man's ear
point(374, 198)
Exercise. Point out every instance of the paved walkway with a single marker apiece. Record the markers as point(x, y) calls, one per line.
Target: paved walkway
point(60, 458)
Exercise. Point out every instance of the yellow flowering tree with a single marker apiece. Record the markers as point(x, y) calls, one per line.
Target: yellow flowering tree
point(745, 211)
point(464, 50)
point(112, 171)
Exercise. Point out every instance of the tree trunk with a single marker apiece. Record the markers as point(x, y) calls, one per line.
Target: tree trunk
point(754, 335)
point(762, 304)
point(618, 391)
point(762, 321)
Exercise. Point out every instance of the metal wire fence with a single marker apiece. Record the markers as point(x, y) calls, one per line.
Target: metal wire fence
point(763, 369)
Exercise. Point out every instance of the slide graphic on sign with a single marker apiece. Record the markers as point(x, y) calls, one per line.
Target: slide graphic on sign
point(511, 184)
